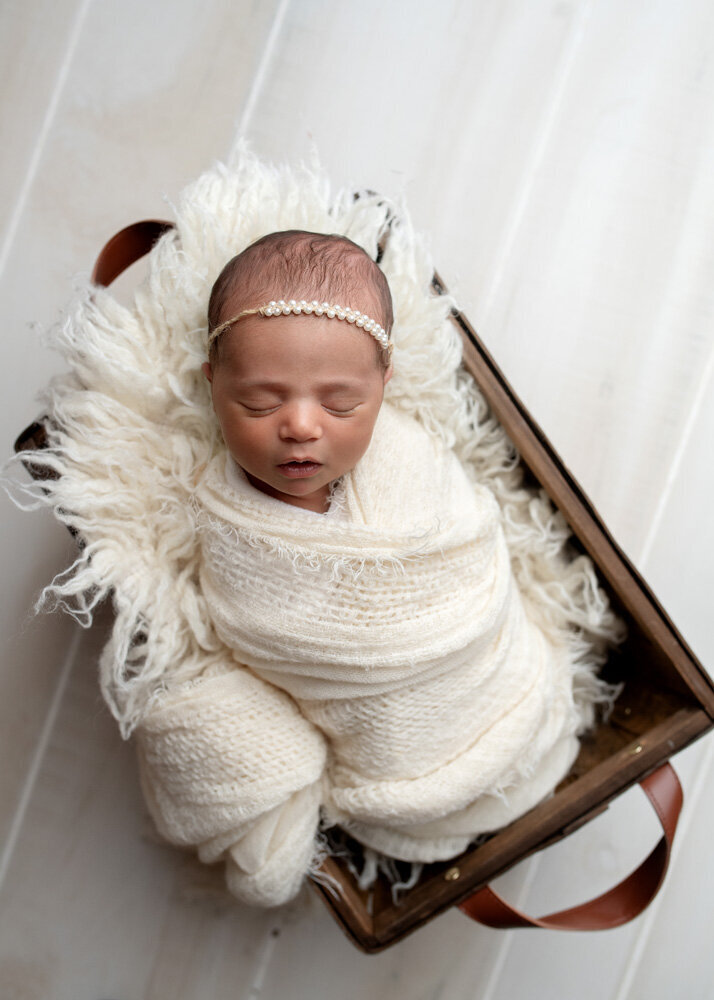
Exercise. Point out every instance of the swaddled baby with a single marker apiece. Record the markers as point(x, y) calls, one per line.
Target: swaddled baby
point(386, 675)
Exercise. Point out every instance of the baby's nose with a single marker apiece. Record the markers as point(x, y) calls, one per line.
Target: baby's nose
point(301, 422)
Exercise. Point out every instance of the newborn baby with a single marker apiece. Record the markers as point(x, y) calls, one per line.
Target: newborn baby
point(297, 398)
point(386, 675)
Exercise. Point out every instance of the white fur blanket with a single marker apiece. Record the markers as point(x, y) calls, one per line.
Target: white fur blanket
point(131, 423)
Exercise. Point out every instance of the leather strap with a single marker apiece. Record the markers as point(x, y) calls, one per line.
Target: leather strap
point(621, 904)
point(126, 247)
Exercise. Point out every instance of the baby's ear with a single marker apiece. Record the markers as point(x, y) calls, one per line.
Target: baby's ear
point(388, 374)
point(207, 370)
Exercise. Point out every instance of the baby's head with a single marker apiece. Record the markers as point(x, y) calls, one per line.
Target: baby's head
point(300, 266)
point(297, 394)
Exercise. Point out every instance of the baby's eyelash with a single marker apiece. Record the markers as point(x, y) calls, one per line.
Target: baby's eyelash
point(342, 413)
point(265, 410)
point(260, 409)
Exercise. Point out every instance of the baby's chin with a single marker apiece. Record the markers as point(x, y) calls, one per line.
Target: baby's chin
point(298, 493)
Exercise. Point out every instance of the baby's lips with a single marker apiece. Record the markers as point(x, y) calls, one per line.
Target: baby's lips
point(299, 468)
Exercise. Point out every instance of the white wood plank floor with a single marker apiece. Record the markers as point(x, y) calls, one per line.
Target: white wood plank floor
point(560, 156)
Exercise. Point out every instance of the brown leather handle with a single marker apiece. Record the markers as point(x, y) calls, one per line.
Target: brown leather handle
point(621, 904)
point(126, 247)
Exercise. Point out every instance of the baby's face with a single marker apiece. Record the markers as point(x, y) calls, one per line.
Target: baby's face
point(297, 398)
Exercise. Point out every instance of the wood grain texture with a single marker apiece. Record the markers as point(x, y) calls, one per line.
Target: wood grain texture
point(671, 955)
point(35, 46)
point(560, 157)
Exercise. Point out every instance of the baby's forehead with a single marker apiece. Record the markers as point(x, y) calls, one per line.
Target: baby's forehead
point(258, 345)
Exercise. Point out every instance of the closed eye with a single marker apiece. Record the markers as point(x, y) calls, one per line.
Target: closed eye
point(260, 410)
point(341, 412)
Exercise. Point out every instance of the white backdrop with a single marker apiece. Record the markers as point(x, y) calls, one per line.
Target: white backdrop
point(560, 155)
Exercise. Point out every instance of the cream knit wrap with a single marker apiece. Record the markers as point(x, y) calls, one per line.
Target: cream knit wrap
point(398, 630)
point(425, 706)
point(400, 673)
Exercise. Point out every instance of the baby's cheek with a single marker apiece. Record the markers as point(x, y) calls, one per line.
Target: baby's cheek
point(239, 437)
point(356, 441)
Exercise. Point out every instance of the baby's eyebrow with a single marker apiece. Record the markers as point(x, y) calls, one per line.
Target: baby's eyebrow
point(340, 386)
point(248, 383)
point(344, 386)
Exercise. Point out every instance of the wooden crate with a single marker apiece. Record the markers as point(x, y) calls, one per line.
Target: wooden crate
point(667, 701)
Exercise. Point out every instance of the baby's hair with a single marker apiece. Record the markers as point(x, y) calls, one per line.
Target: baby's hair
point(299, 265)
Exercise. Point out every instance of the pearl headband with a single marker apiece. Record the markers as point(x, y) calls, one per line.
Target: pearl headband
point(315, 308)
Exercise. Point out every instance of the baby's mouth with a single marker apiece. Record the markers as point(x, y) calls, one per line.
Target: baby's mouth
point(299, 470)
